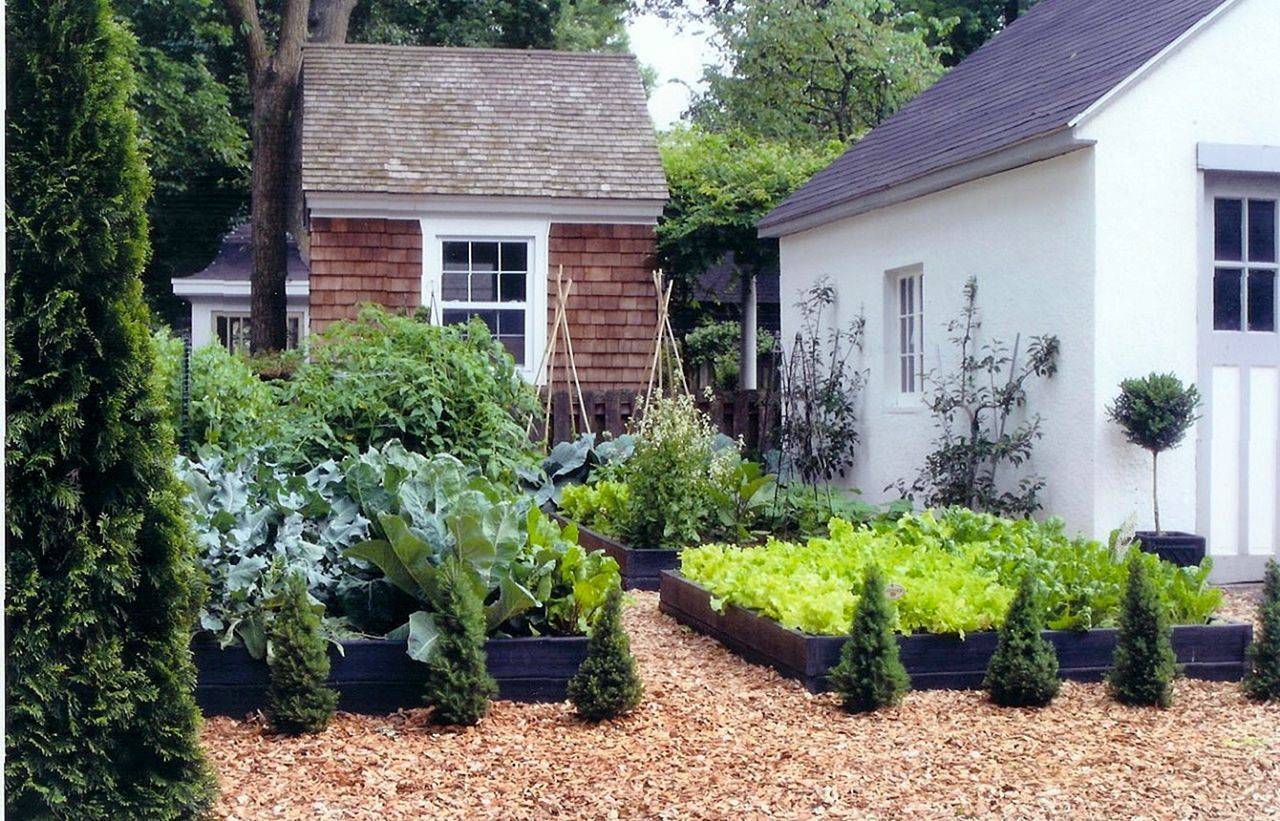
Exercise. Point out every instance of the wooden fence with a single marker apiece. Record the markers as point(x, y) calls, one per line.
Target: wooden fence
point(749, 415)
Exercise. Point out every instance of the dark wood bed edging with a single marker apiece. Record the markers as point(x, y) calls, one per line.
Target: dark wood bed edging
point(639, 568)
point(1210, 651)
point(377, 676)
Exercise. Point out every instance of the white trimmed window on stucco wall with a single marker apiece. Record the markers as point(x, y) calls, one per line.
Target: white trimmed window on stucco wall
point(493, 268)
point(904, 334)
point(231, 329)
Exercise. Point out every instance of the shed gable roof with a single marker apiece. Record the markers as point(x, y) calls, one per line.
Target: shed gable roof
point(1028, 81)
point(410, 120)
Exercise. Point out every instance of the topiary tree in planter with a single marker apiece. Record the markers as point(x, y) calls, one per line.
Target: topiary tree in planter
point(458, 684)
point(869, 674)
point(1262, 679)
point(298, 700)
point(1144, 664)
point(606, 684)
point(1156, 411)
point(100, 582)
point(1024, 668)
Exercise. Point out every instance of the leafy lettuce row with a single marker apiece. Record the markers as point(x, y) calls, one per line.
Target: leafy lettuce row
point(368, 533)
point(954, 571)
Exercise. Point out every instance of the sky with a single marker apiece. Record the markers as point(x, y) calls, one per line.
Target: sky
point(677, 56)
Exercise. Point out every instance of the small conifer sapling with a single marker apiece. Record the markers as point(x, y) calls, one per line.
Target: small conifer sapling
point(1262, 676)
point(606, 684)
point(1144, 664)
point(459, 686)
point(869, 674)
point(298, 700)
point(1024, 668)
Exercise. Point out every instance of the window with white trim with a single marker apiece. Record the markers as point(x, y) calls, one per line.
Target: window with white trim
point(489, 279)
point(233, 330)
point(1244, 264)
point(908, 346)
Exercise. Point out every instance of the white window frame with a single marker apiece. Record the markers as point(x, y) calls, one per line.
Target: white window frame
point(437, 231)
point(903, 322)
point(244, 316)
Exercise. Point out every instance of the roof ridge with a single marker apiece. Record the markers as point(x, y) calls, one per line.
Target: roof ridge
point(533, 52)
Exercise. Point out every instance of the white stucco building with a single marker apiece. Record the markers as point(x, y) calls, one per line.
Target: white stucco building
point(1109, 170)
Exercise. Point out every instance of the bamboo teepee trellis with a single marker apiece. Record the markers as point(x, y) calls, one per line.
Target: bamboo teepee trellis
point(560, 341)
point(666, 370)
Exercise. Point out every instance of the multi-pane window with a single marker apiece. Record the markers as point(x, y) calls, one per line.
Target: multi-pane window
point(1244, 264)
point(488, 279)
point(233, 331)
point(909, 290)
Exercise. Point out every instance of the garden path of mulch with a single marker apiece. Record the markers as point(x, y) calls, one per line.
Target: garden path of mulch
point(720, 738)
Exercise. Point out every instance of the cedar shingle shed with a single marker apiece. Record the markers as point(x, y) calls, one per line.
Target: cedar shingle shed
point(477, 122)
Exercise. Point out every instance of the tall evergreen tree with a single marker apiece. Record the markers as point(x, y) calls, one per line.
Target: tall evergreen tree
point(607, 684)
point(298, 701)
point(869, 674)
point(1262, 678)
point(1144, 664)
point(99, 567)
point(459, 686)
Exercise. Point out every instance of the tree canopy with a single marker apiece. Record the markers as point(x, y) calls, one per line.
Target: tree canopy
point(810, 70)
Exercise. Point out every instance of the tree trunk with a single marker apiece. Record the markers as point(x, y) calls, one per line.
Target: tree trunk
point(1012, 8)
point(272, 98)
point(1155, 495)
point(329, 19)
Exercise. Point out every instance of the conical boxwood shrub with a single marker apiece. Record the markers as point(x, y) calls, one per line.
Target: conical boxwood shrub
point(869, 674)
point(1144, 664)
point(100, 573)
point(459, 686)
point(1262, 678)
point(1023, 671)
point(298, 700)
point(606, 684)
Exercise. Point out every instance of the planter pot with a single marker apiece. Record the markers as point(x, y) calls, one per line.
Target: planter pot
point(639, 569)
point(377, 676)
point(1212, 651)
point(1183, 549)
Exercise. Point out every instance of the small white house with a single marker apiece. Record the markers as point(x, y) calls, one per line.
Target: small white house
point(1109, 170)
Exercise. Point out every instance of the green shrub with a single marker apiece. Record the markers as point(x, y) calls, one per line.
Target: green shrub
point(671, 474)
point(606, 684)
point(1156, 412)
point(438, 389)
point(1024, 668)
point(959, 570)
point(719, 344)
point(100, 589)
point(1144, 664)
point(1262, 679)
point(869, 674)
point(298, 700)
point(458, 685)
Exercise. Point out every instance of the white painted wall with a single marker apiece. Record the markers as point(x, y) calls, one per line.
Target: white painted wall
point(1222, 85)
point(1027, 234)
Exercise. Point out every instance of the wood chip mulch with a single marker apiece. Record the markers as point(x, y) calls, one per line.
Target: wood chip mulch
point(720, 738)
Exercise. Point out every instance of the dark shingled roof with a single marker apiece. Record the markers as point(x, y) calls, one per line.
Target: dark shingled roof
point(1028, 81)
point(409, 120)
point(235, 259)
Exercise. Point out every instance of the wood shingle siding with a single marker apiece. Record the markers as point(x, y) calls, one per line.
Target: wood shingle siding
point(613, 309)
point(354, 261)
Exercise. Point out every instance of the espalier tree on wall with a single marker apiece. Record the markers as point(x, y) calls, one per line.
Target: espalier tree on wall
point(101, 722)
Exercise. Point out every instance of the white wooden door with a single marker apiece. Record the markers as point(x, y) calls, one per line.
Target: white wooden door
point(1238, 491)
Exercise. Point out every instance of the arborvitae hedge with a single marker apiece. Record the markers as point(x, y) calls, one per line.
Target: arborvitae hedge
point(1262, 679)
point(298, 701)
point(1024, 668)
point(869, 674)
point(1144, 664)
point(458, 685)
point(607, 684)
point(101, 721)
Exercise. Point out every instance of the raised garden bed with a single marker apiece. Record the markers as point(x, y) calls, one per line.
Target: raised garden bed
point(640, 569)
point(377, 676)
point(1211, 651)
